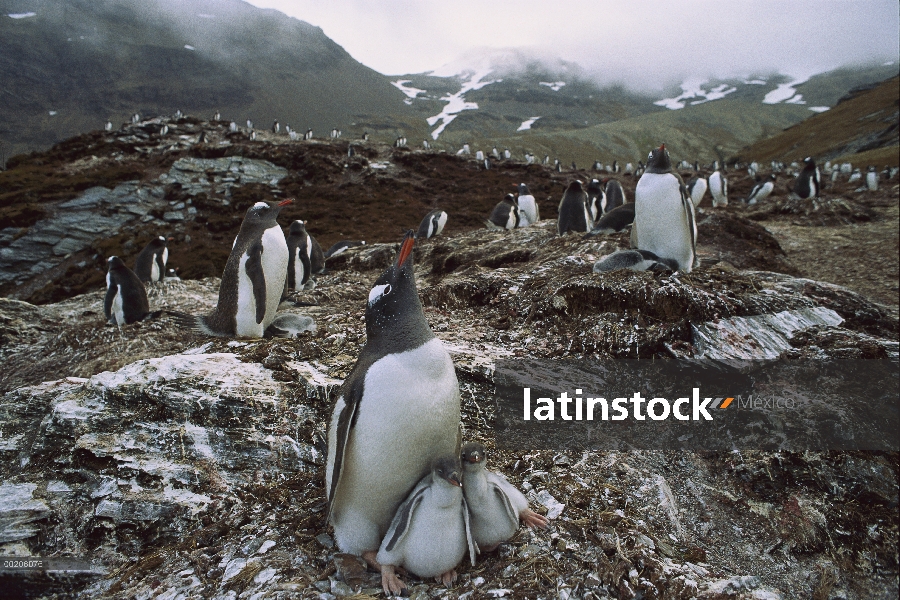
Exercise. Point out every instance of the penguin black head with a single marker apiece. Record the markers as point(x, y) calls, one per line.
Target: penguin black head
point(263, 214)
point(523, 190)
point(114, 262)
point(394, 317)
point(510, 198)
point(297, 228)
point(659, 159)
point(575, 186)
point(447, 468)
point(158, 242)
point(472, 455)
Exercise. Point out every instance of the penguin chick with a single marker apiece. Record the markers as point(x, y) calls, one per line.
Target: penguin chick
point(636, 260)
point(430, 533)
point(528, 207)
point(574, 212)
point(495, 505)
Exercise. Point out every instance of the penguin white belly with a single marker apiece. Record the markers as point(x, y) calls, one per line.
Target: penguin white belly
point(154, 270)
point(245, 319)
point(442, 220)
point(165, 257)
point(489, 518)
point(118, 307)
point(527, 206)
point(274, 264)
point(298, 270)
point(660, 222)
point(511, 220)
point(408, 416)
point(698, 191)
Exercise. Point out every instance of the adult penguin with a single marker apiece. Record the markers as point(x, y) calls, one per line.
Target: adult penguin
point(299, 269)
point(808, 183)
point(150, 265)
point(397, 412)
point(596, 200)
point(718, 188)
point(615, 195)
point(505, 214)
point(761, 190)
point(574, 213)
point(529, 211)
point(126, 298)
point(432, 224)
point(664, 221)
point(253, 280)
point(696, 189)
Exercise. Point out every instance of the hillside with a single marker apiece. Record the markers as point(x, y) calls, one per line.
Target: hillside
point(73, 65)
point(861, 128)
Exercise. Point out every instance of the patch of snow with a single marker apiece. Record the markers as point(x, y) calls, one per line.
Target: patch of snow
point(555, 86)
point(21, 15)
point(188, 47)
point(527, 124)
point(201, 440)
point(819, 109)
point(784, 91)
point(456, 103)
point(797, 99)
point(755, 81)
point(410, 92)
point(692, 89)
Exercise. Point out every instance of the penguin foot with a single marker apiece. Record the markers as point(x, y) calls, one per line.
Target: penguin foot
point(390, 583)
point(447, 578)
point(533, 519)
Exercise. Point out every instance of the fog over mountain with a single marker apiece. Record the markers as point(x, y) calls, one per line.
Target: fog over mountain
point(647, 45)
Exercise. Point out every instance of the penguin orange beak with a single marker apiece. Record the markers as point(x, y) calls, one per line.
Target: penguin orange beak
point(406, 249)
point(454, 479)
point(286, 202)
point(662, 147)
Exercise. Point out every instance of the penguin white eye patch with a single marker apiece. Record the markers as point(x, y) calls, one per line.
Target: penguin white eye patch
point(377, 292)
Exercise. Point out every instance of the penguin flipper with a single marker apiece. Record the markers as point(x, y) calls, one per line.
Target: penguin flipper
point(400, 524)
point(470, 541)
point(107, 302)
point(254, 270)
point(692, 224)
point(344, 420)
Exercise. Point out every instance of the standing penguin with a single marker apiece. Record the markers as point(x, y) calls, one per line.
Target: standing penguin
point(596, 200)
point(574, 214)
point(253, 280)
point(299, 269)
point(108, 126)
point(696, 188)
point(495, 505)
point(505, 215)
point(430, 533)
point(126, 298)
point(150, 265)
point(615, 195)
point(664, 214)
point(807, 184)
point(397, 412)
point(432, 224)
point(528, 207)
point(718, 188)
point(872, 179)
point(761, 190)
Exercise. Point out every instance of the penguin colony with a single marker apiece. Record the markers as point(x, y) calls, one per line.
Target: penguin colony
point(402, 489)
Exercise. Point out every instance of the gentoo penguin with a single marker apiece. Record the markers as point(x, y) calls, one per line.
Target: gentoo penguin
point(432, 224)
point(396, 413)
point(696, 188)
point(253, 280)
point(339, 247)
point(108, 126)
point(574, 213)
point(855, 176)
point(178, 113)
point(126, 298)
point(299, 267)
point(636, 260)
point(479, 155)
point(430, 533)
point(232, 127)
point(276, 127)
point(495, 153)
point(316, 257)
point(807, 184)
point(495, 505)
point(252, 135)
point(150, 265)
point(574, 166)
point(505, 215)
point(487, 164)
point(761, 190)
point(718, 188)
point(872, 179)
point(664, 214)
point(506, 154)
point(529, 211)
point(365, 136)
point(615, 195)
point(249, 124)
point(217, 116)
point(596, 199)
point(614, 221)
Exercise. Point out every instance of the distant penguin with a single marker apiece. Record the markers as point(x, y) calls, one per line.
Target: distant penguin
point(495, 153)
point(872, 179)
point(308, 135)
point(574, 213)
point(761, 191)
point(664, 221)
point(506, 154)
point(718, 188)
point(276, 127)
point(253, 281)
point(615, 166)
point(126, 298)
point(350, 151)
point(178, 113)
point(505, 214)
point(696, 188)
point(846, 168)
point(598, 166)
point(479, 155)
point(615, 195)
point(232, 127)
point(397, 411)
point(835, 173)
point(629, 169)
point(558, 166)
point(807, 184)
point(150, 265)
point(136, 118)
point(546, 159)
point(217, 116)
point(753, 168)
point(108, 126)
point(636, 260)
point(426, 145)
point(574, 166)
point(487, 164)
point(528, 207)
point(299, 269)
point(339, 247)
point(252, 135)
point(596, 199)
point(164, 130)
point(249, 124)
point(432, 224)
point(855, 176)
point(614, 221)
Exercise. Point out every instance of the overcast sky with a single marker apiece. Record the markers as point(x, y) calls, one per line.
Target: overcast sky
point(644, 41)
